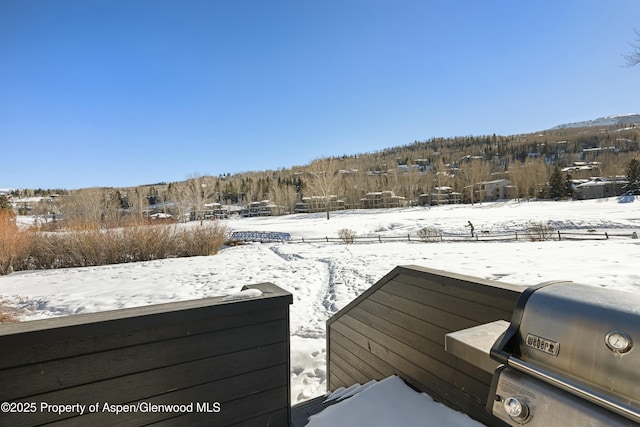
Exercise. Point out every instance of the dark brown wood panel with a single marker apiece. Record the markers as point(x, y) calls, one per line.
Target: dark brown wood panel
point(423, 358)
point(347, 337)
point(149, 383)
point(459, 304)
point(351, 377)
point(398, 317)
point(398, 326)
point(42, 340)
point(370, 366)
point(190, 353)
point(415, 339)
point(338, 376)
point(472, 288)
point(238, 398)
point(446, 321)
point(70, 372)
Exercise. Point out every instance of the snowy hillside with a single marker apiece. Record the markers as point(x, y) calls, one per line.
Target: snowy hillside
point(324, 277)
point(617, 120)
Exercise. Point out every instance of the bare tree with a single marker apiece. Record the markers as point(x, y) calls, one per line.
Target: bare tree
point(517, 178)
point(535, 177)
point(633, 58)
point(86, 206)
point(283, 195)
point(177, 196)
point(198, 191)
point(472, 173)
point(138, 202)
point(323, 179)
point(442, 177)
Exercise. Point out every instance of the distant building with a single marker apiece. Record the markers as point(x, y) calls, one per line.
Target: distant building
point(382, 199)
point(313, 204)
point(582, 169)
point(441, 196)
point(494, 190)
point(599, 188)
point(215, 211)
point(261, 208)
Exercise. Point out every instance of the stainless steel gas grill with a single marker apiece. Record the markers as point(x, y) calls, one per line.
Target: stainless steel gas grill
point(569, 358)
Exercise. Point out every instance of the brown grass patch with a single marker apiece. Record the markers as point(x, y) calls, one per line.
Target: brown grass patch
point(7, 314)
point(82, 244)
point(14, 243)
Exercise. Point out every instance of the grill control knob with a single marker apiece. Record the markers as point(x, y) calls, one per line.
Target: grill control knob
point(516, 409)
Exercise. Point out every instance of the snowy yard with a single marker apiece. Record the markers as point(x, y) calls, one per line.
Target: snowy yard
point(324, 277)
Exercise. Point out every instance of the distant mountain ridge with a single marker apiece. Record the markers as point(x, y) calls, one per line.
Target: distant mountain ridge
point(617, 120)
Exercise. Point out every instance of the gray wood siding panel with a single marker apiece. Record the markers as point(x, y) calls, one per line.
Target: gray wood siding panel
point(236, 353)
point(42, 340)
point(415, 339)
point(398, 326)
point(394, 315)
point(241, 398)
point(447, 322)
point(353, 377)
point(370, 367)
point(43, 377)
point(473, 289)
point(408, 357)
point(458, 305)
point(149, 383)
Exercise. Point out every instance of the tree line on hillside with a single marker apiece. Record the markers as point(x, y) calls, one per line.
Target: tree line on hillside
point(533, 164)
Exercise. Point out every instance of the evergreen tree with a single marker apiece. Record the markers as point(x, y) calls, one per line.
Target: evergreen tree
point(633, 175)
point(568, 186)
point(557, 187)
point(4, 203)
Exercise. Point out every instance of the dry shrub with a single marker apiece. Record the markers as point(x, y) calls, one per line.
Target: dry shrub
point(83, 244)
point(539, 231)
point(202, 240)
point(146, 242)
point(429, 234)
point(347, 235)
point(14, 243)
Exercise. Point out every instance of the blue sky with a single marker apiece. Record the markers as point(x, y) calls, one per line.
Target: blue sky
point(124, 93)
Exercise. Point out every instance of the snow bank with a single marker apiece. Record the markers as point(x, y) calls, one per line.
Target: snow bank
point(390, 402)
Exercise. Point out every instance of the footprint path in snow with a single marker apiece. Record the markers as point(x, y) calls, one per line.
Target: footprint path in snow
point(343, 282)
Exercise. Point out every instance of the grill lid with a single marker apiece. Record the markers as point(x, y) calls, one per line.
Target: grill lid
point(579, 338)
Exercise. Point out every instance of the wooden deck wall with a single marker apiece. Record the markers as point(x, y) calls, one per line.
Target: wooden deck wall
point(226, 361)
point(398, 327)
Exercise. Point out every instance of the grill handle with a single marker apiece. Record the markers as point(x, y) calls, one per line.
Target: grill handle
point(576, 389)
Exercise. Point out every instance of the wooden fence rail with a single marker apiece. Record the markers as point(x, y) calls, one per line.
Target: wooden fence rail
point(478, 237)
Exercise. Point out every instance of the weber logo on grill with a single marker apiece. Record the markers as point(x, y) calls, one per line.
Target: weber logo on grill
point(542, 344)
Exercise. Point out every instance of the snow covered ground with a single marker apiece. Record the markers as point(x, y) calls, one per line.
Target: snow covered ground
point(324, 277)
